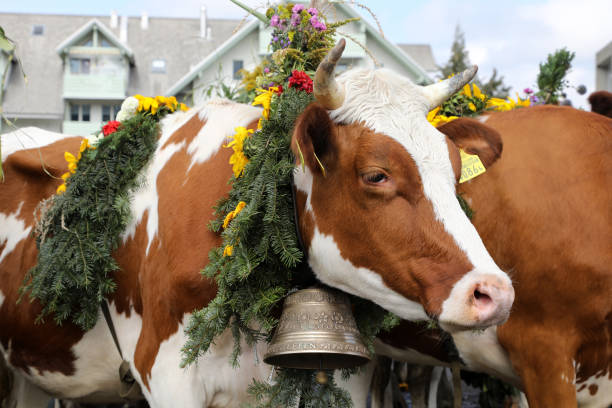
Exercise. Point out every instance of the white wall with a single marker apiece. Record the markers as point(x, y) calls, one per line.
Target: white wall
point(245, 50)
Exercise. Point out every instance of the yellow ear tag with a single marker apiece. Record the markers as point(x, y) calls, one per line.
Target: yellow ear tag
point(471, 166)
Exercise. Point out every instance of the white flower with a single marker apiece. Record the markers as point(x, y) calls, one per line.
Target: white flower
point(123, 115)
point(95, 139)
point(129, 105)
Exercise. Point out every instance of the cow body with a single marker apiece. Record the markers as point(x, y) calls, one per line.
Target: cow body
point(544, 212)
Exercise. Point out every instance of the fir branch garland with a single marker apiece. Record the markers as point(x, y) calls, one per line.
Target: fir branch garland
point(82, 226)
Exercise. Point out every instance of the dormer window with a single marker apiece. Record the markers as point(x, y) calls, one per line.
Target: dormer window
point(158, 65)
point(38, 29)
point(87, 42)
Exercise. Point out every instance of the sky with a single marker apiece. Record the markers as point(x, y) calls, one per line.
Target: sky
point(513, 36)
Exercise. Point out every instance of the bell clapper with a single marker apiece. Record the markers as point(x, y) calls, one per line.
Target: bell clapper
point(321, 377)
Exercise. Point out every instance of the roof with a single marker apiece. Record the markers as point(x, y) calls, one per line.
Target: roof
point(406, 60)
point(212, 57)
point(176, 40)
point(422, 54)
point(86, 29)
point(422, 77)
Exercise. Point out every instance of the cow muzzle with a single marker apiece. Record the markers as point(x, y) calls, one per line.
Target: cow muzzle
point(477, 301)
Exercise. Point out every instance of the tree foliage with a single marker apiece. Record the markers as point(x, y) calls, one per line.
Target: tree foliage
point(551, 78)
point(81, 228)
point(459, 61)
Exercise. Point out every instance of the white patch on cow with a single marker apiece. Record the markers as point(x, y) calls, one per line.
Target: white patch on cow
point(603, 396)
point(481, 351)
point(2, 297)
point(212, 381)
point(302, 178)
point(96, 361)
point(222, 117)
point(27, 138)
point(12, 231)
point(482, 118)
point(146, 198)
point(358, 384)
point(334, 270)
point(407, 355)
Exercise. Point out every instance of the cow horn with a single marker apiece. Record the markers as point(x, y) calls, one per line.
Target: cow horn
point(439, 92)
point(326, 89)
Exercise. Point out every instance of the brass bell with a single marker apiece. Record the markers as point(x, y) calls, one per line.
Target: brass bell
point(317, 330)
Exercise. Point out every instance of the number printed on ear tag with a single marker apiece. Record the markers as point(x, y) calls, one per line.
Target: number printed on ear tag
point(471, 166)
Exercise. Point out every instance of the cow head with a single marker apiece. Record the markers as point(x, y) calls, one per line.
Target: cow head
point(377, 204)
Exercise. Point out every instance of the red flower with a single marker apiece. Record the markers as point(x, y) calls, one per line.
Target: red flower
point(110, 127)
point(280, 90)
point(300, 80)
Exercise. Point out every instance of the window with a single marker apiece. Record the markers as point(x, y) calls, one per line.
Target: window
point(79, 65)
point(85, 110)
point(238, 64)
point(105, 43)
point(158, 65)
point(38, 29)
point(74, 113)
point(80, 112)
point(116, 109)
point(106, 113)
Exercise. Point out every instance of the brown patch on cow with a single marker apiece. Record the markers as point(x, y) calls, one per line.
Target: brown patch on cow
point(400, 236)
point(474, 137)
point(601, 102)
point(543, 212)
point(593, 389)
point(186, 132)
point(31, 175)
point(43, 347)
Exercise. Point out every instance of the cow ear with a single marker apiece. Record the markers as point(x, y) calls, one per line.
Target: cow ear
point(474, 137)
point(312, 140)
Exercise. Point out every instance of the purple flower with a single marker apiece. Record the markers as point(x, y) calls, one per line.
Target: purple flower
point(297, 8)
point(274, 39)
point(318, 25)
point(274, 21)
point(534, 99)
point(295, 19)
point(266, 70)
point(528, 91)
point(313, 11)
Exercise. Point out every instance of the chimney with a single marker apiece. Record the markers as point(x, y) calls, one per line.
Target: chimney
point(209, 33)
point(144, 21)
point(203, 25)
point(114, 19)
point(123, 29)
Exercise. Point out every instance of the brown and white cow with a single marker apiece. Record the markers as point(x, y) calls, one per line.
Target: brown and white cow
point(544, 212)
point(381, 221)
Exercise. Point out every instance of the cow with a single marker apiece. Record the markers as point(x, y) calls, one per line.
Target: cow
point(601, 102)
point(376, 207)
point(544, 212)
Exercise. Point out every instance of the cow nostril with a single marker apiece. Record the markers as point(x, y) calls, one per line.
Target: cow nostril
point(482, 297)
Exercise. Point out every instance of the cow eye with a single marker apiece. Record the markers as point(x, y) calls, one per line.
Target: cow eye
point(375, 177)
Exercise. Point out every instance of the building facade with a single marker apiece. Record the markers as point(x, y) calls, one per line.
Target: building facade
point(603, 69)
point(78, 69)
